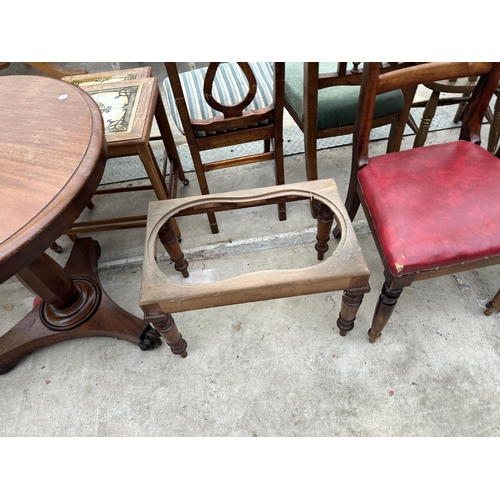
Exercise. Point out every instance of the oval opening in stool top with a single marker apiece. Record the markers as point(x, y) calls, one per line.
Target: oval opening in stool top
point(343, 266)
point(264, 244)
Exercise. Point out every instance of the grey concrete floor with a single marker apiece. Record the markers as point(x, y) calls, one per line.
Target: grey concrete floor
point(275, 368)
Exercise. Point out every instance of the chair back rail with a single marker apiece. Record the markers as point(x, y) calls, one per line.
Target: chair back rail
point(430, 72)
point(343, 76)
point(375, 83)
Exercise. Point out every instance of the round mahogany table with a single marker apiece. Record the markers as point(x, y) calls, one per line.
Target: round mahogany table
point(52, 157)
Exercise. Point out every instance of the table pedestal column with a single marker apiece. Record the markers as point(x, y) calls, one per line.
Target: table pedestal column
point(74, 305)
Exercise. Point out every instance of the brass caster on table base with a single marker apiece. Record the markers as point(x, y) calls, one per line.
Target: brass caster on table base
point(150, 339)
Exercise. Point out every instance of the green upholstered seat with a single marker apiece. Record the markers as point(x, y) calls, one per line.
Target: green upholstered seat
point(336, 105)
point(230, 87)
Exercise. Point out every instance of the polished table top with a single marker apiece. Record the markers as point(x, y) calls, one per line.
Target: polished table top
point(52, 156)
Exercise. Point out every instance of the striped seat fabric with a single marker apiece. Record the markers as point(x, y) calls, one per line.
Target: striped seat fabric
point(230, 87)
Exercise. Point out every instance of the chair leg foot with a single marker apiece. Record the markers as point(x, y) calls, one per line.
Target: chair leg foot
point(281, 211)
point(385, 306)
point(56, 248)
point(493, 306)
point(372, 337)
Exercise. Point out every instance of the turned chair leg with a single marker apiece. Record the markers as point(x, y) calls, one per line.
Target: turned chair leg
point(493, 306)
point(311, 154)
point(170, 242)
point(56, 247)
point(351, 300)
point(427, 116)
point(385, 306)
point(325, 221)
point(279, 168)
point(494, 128)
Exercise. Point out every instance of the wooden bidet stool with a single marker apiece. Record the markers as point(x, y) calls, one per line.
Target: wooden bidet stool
point(345, 269)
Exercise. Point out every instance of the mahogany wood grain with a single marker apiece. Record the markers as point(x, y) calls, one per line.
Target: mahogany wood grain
point(48, 170)
point(96, 315)
point(52, 156)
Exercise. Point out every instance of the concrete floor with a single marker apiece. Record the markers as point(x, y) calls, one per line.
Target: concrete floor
point(276, 368)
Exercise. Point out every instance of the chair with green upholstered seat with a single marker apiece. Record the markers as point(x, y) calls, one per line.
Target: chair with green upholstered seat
point(322, 99)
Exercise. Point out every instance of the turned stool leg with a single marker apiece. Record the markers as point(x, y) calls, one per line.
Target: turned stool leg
point(325, 221)
point(493, 306)
point(385, 306)
point(166, 327)
point(167, 236)
point(351, 300)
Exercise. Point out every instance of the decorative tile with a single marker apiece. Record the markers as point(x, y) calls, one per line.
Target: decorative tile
point(118, 106)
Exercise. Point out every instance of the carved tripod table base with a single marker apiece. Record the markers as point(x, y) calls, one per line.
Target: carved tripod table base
point(74, 306)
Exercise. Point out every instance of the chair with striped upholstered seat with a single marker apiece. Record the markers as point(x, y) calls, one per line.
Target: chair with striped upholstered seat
point(227, 104)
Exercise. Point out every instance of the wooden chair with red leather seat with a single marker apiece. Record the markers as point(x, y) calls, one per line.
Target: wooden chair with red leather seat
point(432, 210)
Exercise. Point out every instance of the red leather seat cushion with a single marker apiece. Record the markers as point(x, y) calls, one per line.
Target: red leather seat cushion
point(434, 206)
